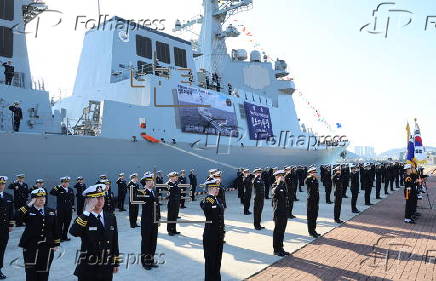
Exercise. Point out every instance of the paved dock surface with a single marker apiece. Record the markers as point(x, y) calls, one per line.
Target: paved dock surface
point(376, 245)
point(247, 251)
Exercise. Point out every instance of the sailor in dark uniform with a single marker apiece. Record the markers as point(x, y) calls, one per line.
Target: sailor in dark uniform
point(193, 182)
point(40, 238)
point(266, 176)
point(259, 198)
point(99, 254)
point(312, 201)
point(367, 183)
point(149, 223)
point(280, 203)
point(64, 207)
point(17, 115)
point(109, 198)
point(159, 180)
point(248, 190)
point(345, 174)
point(173, 202)
point(7, 221)
point(378, 180)
point(337, 183)
point(354, 188)
point(291, 187)
point(239, 184)
point(213, 235)
point(9, 72)
point(122, 190)
point(133, 187)
point(410, 193)
point(21, 193)
point(80, 186)
point(182, 180)
point(328, 183)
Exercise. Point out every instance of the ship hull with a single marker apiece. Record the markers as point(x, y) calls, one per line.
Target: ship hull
point(53, 156)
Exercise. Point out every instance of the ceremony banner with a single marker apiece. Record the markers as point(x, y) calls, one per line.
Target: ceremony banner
point(218, 118)
point(258, 121)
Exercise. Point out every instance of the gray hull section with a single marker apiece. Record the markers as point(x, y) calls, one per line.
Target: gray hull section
point(52, 156)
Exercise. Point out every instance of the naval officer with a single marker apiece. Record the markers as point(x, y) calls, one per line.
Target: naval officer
point(21, 193)
point(122, 190)
point(99, 253)
point(80, 186)
point(133, 187)
point(312, 201)
point(280, 204)
point(64, 205)
point(7, 221)
point(354, 188)
point(213, 235)
point(259, 198)
point(17, 115)
point(149, 223)
point(40, 238)
point(337, 182)
point(173, 202)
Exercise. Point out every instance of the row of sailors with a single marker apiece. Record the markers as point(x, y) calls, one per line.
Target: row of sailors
point(283, 195)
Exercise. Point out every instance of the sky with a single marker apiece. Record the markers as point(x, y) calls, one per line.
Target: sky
point(369, 83)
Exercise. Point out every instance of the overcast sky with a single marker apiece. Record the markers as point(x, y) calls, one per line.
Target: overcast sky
point(370, 84)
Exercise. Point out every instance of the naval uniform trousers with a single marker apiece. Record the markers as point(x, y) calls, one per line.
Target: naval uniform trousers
point(4, 238)
point(368, 189)
point(38, 262)
point(257, 210)
point(64, 217)
point(338, 204)
point(312, 213)
point(354, 196)
point(133, 214)
point(280, 223)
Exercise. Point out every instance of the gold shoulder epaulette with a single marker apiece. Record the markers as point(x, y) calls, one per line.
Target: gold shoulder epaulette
point(23, 210)
point(210, 200)
point(81, 222)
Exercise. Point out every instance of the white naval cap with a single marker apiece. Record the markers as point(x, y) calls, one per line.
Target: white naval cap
point(279, 172)
point(173, 174)
point(94, 191)
point(39, 192)
point(65, 179)
point(311, 169)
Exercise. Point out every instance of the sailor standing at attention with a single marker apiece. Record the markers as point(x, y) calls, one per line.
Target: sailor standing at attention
point(259, 198)
point(7, 221)
point(64, 207)
point(213, 235)
point(182, 180)
point(312, 201)
point(337, 183)
point(133, 187)
point(21, 193)
point(354, 188)
point(80, 186)
point(40, 238)
point(280, 203)
point(122, 190)
point(98, 258)
point(149, 223)
point(173, 203)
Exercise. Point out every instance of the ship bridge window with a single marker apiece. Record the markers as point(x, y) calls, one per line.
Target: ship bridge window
point(143, 47)
point(180, 57)
point(7, 9)
point(163, 52)
point(6, 42)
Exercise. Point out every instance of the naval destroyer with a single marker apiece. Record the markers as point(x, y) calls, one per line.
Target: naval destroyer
point(144, 99)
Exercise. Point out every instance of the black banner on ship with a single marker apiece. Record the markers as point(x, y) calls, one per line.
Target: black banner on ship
point(219, 118)
point(258, 121)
